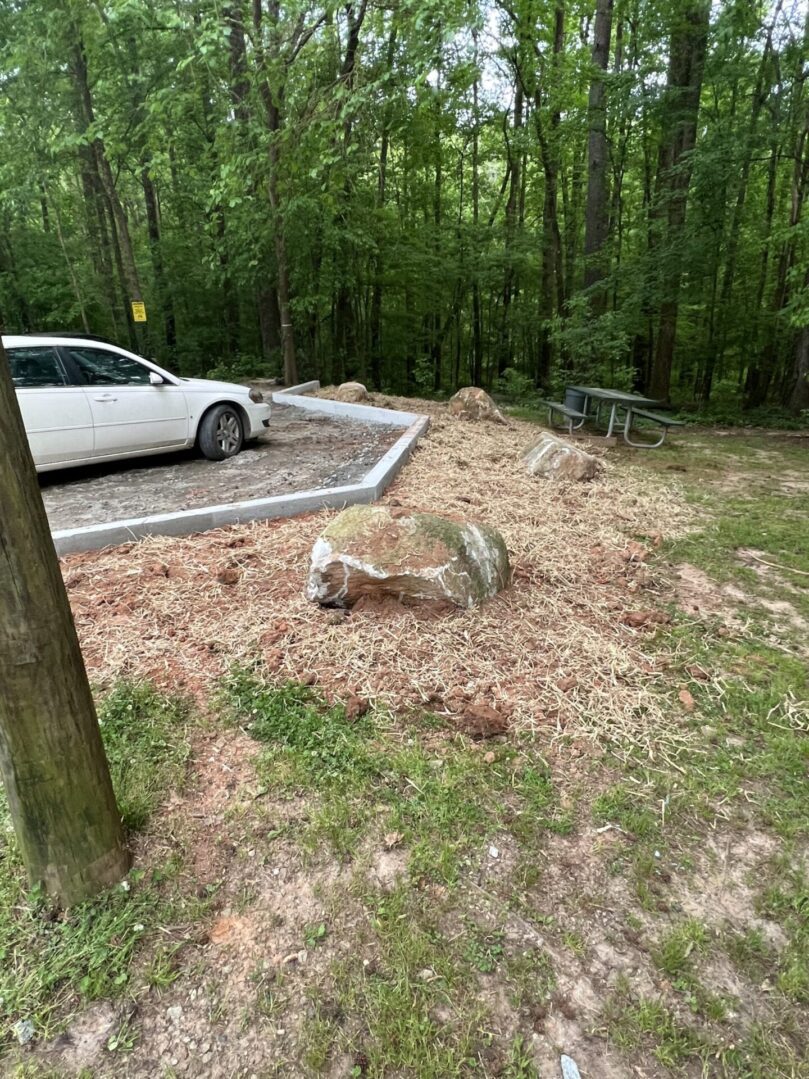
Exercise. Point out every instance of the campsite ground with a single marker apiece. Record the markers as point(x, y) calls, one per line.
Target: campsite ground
point(322, 889)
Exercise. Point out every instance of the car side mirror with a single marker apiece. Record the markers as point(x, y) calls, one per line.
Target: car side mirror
point(155, 379)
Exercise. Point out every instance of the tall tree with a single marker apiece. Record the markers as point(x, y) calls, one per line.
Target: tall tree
point(689, 38)
point(596, 221)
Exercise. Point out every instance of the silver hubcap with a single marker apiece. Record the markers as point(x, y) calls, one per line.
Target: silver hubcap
point(228, 433)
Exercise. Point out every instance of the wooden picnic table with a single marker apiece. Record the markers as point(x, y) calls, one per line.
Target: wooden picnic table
point(615, 399)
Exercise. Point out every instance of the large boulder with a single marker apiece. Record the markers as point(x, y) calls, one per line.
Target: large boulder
point(353, 392)
point(555, 459)
point(372, 551)
point(472, 403)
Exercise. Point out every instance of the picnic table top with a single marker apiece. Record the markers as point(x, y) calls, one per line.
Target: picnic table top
point(619, 396)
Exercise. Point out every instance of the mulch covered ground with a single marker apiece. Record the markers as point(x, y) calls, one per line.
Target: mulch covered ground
point(563, 648)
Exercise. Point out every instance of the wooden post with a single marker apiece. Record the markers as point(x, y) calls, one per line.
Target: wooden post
point(51, 755)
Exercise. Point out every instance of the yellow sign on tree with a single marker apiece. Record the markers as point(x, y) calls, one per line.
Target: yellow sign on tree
point(138, 311)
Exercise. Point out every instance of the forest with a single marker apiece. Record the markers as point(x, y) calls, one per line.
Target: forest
point(419, 194)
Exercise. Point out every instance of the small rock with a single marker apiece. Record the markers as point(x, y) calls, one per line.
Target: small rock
point(554, 459)
point(174, 1014)
point(494, 852)
point(686, 700)
point(488, 758)
point(23, 1031)
point(639, 619)
point(472, 403)
point(356, 707)
point(352, 392)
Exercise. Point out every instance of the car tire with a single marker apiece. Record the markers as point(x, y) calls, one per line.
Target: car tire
point(221, 433)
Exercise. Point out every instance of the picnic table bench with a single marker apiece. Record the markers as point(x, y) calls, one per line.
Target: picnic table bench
point(570, 415)
point(663, 421)
point(633, 404)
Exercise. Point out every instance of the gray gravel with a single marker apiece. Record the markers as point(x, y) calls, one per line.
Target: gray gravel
point(300, 451)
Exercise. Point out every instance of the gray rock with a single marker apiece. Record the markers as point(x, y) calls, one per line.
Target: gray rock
point(472, 403)
point(353, 392)
point(372, 551)
point(23, 1031)
point(552, 458)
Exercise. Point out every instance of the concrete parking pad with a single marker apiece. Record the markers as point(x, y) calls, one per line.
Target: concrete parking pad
point(302, 450)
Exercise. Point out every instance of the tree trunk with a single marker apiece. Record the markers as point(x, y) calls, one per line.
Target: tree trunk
point(273, 102)
point(754, 392)
point(51, 756)
point(381, 189)
point(760, 94)
point(799, 397)
point(98, 235)
point(434, 318)
point(551, 274)
point(269, 320)
point(153, 227)
point(477, 321)
point(680, 110)
point(596, 219)
point(125, 251)
point(505, 351)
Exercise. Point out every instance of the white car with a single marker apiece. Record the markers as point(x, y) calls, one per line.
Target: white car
point(84, 401)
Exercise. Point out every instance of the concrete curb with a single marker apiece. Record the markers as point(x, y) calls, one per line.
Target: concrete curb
point(186, 522)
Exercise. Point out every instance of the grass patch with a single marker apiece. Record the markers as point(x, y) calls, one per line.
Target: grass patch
point(52, 961)
point(787, 901)
point(145, 736)
point(635, 1023)
point(420, 1015)
point(442, 804)
point(308, 743)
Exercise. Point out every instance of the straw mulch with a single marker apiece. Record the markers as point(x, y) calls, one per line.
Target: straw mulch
point(565, 649)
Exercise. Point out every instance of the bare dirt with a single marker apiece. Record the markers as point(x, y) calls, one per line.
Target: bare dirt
point(300, 451)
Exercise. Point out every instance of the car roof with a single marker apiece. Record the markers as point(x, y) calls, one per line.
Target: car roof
point(58, 335)
point(71, 335)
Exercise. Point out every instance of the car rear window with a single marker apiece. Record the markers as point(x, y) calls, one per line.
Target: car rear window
point(35, 367)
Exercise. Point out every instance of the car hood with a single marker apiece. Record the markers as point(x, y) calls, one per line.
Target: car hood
point(209, 385)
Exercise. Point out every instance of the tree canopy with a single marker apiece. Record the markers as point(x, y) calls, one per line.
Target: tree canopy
point(511, 193)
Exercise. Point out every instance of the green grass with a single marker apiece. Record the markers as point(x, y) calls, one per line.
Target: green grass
point(786, 900)
point(444, 805)
point(308, 742)
point(50, 961)
point(145, 737)
point(635, 1023)
point(418, 974)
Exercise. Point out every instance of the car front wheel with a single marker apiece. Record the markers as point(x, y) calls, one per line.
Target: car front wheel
point(221, 434)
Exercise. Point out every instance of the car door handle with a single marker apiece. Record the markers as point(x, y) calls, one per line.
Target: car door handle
point(105, 397)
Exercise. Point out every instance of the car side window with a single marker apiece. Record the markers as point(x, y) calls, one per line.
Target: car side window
point(35, 368)
point(101, 368)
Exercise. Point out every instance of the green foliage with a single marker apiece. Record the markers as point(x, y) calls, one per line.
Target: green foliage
point(239, 369)
point(145, 736)
point(451, 249)
point(50, 960)
point(320, 745)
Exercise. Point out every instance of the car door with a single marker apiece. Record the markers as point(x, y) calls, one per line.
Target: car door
point(130, 414)
point(56, 414)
